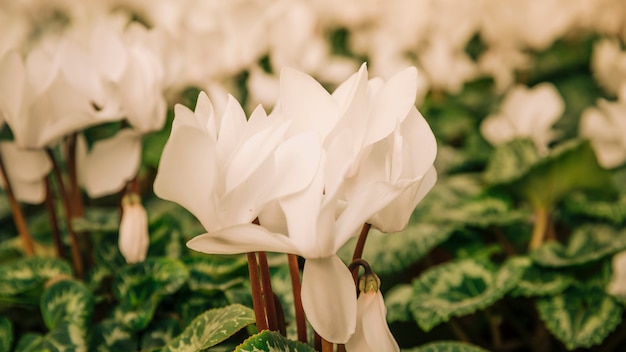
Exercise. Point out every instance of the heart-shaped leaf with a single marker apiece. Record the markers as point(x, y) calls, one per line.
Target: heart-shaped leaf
point(211, 328)
point(586, 244)
point(580, 318)
point(67, 301)
point(270, 341)
point(24, 274)
point(461, 287)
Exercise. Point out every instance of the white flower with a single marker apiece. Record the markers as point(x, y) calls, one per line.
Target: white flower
point(608, 64)
point(134, 239)
point(26, 170)
point(292, 170)
point(605, 126)
point(525, 113)
point(372, 333)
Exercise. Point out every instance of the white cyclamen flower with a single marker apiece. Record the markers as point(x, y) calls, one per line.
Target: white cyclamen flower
point(292, 170)
point(372, 332)
point(605, 126)
point(525, 113)
point(134, 239)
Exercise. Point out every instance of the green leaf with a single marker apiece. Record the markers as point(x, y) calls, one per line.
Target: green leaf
point(447, 346)
point(6, 334)
point(483, 211)
point(64, 337)
point(98, 220)
point(586, 244)
point(580, 204)
point(160, 333)
point(211, 328)
point(136, 316)
point(580, 318)
point(67, 301)
point(397, 301)
point(394, 252)
point(111, 336)
point(447, 194)
point(570, 167)
point(154, 276)
point(210, 273)
point(461, 287)
point(24, 274)
point(511, 161)
point(270, 341)
point(541, 281)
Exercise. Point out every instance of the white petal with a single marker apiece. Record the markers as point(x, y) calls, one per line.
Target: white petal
point(296, 162)
point(305, 101)
point(25, 165)
point(186, 173)
point(375, 328)
point(232, 124)
point(133, 238)
point(11, 86)
point(329, 298)
point(111, 163)
point(241, 239)
point(391, 105)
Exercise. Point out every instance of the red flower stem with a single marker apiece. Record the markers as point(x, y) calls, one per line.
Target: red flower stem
point(317, 341)
point(54, 222)
point(296, 287)
point(360, 246)
point(327, 346)
point(268, 293)
point(18, 215)
point(74, 193)
point(76, 259)
point(257, 295)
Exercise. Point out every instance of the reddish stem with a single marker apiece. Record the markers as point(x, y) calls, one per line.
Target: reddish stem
point(257, 295)
point(268, 293)
point(294, 272)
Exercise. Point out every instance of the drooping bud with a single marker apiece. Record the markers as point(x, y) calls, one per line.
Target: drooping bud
point(133, 237)
point(369, 282)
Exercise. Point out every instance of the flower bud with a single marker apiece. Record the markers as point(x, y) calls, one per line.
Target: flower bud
point(369, 282)
point(133, 237)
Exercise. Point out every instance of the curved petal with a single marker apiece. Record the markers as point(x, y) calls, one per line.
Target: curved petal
point(329, 298)
point(391, 105)
point(305, 101)
point(374, 321)
point(11, 86)
point(186, 173)
point(112, 163)
point(296, 161)
point(241, 239)
point(134, 239)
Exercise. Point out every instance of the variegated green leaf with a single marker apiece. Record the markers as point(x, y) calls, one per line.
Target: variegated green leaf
point(394, 252)
point(511, 161)
point(397, 301)
point(159, 333)
point(138, 315)
point(27, 273)
point(447, 346)
point(211, 328)
point(63, 338)
point(587, 243)
point(613, 211)
point(210, 273)
point(542, 281)
point(67, 301)
point(112, 336)
point(580, 318)
point(460, 288)
point(483, 211)
point(270, 341)
point(98, 220)
point(155, 276)
point(6, 334)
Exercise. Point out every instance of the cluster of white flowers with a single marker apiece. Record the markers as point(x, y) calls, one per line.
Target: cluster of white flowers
point(312, 172)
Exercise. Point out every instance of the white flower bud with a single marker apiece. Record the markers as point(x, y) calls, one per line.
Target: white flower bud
point(133, 238)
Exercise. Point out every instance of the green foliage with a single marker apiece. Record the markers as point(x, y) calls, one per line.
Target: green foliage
point(269, 341)
point(540, 281)
point(461, 287)
point(587, 243)
point(6, 334)
point(579, 317)
point(211, 328)
point(582, 205)
point(28, 273)
point(394, 252)
point(67, 301)
point(447, 346)
point(211, 273)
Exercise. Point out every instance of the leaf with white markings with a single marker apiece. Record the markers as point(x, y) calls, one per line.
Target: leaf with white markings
point(587, 243)
point(270, 341)
point(211, 328)
point(460, 288)
point(580, 318)
point(211, 273)
point(447, 346)
point(67, 301)
point(28, 273)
